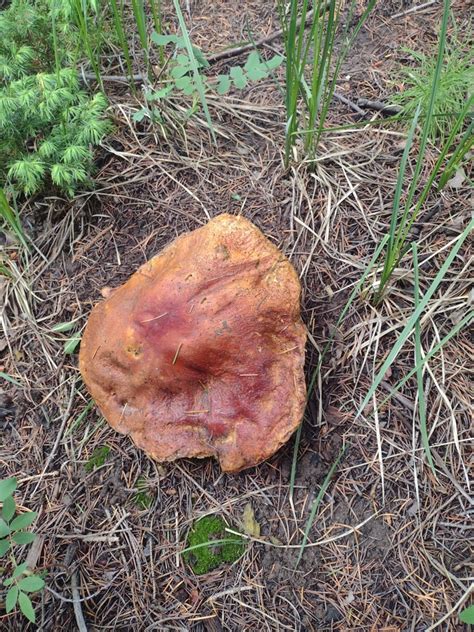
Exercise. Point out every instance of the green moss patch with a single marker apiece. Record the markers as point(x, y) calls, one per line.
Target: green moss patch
point(209, 545)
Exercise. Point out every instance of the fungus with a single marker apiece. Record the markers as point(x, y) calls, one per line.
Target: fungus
point(201, 352)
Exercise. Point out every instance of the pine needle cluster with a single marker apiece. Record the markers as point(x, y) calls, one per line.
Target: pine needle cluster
point(48, 124)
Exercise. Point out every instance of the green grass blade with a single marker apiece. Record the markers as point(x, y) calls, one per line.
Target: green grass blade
point(331, 85)
point(321, 69)
point(418, 365)
point(158, 24)
point(321, 64)
point(391, 256)
point(430, 110)
point(11, 219)
point(79, 418)
point(9, 378)
point(355, 292)
point(465, 322)
point(194, 65)
point(313, 47)
point(155, 6)
point(82, 22)
point(405, 223)
point(117, 17)
point(298, 32)
point(461, 150)
point(140, 21)
point(406, 332)
point(316, 503)
point(400, 181)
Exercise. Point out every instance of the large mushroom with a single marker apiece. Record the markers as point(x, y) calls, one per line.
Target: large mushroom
point(200, 353)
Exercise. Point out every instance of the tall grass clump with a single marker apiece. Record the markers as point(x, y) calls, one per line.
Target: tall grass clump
point(408, 204)
point(80, 15)
point(144, 27)
point(120, 33)
point(313, 64)
point(420, 307)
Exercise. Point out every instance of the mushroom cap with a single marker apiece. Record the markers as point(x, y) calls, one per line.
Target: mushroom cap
point(201, 352)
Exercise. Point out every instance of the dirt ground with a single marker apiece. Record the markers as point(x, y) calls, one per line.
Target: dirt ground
point(389, 549)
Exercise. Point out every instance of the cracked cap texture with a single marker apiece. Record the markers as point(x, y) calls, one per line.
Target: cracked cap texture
point(201, 352)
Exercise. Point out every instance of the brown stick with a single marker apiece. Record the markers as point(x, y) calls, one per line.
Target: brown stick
point(379, 105)
point(239, 50)
point(418, 7)
point(351, 104)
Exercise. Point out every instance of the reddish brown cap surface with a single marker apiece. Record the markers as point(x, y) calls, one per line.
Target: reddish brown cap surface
point(201, 352)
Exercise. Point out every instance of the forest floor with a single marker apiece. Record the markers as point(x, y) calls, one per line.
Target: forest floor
point(389, 549)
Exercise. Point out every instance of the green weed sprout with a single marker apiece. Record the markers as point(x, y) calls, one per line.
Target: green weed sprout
point(12, 532)
point(181, 77)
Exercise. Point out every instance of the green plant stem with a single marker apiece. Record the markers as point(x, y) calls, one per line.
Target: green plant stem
point(391, 255)
point(419, 366)
point(195, 68)
point(141, 23)
point(307, 103)
point(323, 34)
point(158, 24)
point(117, 16)
point(317, 502)
point(331, 86)
point(355, 292)
point(82, 22)
point(406, 332)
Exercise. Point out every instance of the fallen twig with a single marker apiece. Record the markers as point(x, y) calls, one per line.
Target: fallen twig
point(379, 105)
point(340, 97)
point(418, 7)
point(239, 50)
